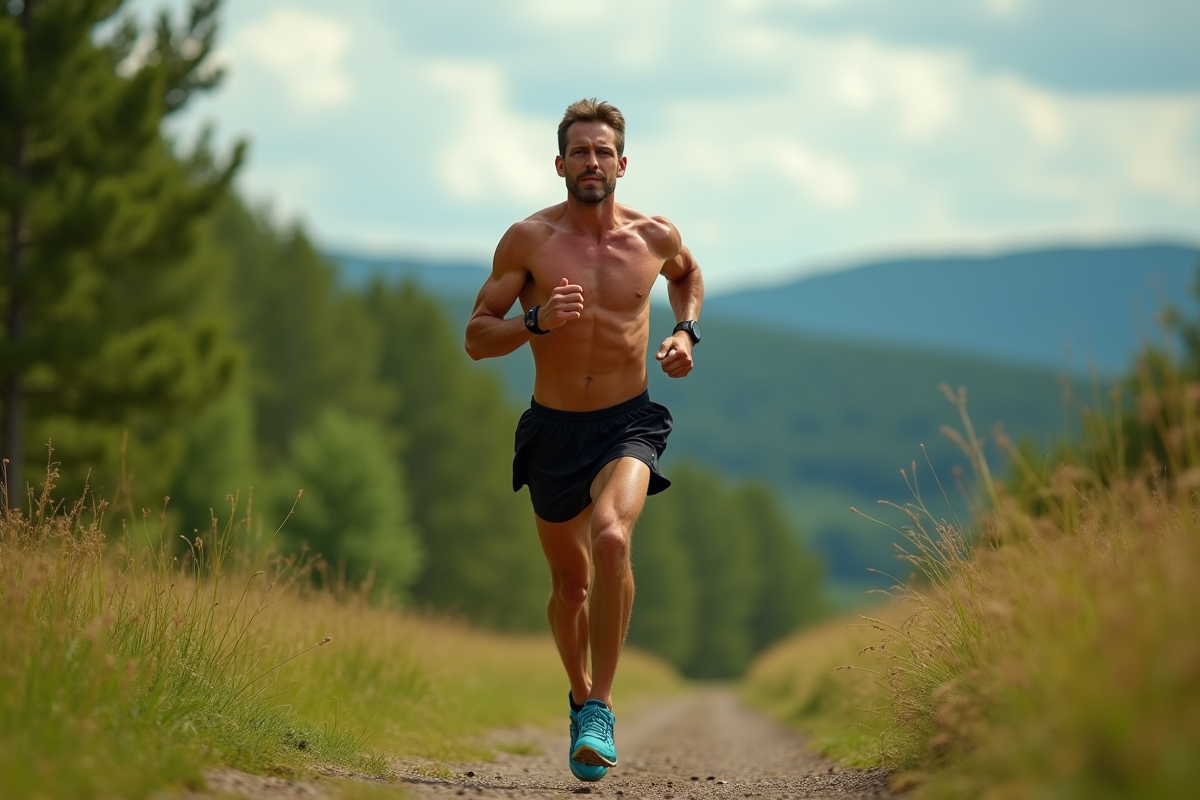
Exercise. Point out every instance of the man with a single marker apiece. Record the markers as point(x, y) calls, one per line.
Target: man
point(589, 445)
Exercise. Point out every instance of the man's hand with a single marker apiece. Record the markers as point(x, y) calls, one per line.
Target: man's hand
point(564, 305)
point(675, 355)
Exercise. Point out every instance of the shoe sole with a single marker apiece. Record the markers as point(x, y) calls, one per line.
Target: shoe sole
point(587, 778)
point(586, 755)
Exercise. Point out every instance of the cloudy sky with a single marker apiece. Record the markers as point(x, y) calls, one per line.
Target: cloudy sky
point(781, 136)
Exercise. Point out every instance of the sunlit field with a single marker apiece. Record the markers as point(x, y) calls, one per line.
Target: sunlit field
point(124, 668)
point(1051, 647)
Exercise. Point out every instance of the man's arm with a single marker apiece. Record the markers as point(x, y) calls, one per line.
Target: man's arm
point(489, 334)
point(685, 290)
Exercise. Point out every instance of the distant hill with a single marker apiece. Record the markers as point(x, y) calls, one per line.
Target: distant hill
point(444, 278)
point(830, 421)
point(1066, 309)
point(1095, 304)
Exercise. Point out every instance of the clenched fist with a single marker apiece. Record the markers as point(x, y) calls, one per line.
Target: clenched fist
point(564, 305)
point(675, 355)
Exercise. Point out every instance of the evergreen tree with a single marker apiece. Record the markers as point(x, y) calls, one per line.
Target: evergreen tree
point(665, 608)
point(725, 564)
point(789, 580)
point(311, 345)
point(483, 555)
point(98, 214)
point(354, 511)
point(218, 460)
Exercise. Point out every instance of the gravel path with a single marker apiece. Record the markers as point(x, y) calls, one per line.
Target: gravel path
point(703, 745)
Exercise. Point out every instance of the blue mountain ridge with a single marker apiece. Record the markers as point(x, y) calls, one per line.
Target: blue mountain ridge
point(828, 418)
point(1068, 309)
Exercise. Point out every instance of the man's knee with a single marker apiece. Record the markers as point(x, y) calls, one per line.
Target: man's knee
point(610, 547)
point(569, 590)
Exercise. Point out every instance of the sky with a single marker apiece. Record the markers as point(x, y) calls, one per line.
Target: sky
point(782, 137)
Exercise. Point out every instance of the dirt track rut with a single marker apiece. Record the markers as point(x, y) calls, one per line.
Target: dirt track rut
point(703, 745)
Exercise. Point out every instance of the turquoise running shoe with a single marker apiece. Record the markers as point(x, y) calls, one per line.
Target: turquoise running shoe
point(584, 772)
point(594, 745)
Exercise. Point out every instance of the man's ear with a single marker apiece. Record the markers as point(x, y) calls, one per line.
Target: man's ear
point(621, 167)
point(560, 166)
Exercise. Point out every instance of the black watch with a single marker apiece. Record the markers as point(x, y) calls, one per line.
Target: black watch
point(692, 327)
point(531, 322)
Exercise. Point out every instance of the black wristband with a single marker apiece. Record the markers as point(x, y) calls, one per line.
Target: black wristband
point(692, 327)
point(531, 322)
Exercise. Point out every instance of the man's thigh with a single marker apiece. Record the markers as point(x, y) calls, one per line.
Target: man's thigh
point(619, 492)
point(567, 547)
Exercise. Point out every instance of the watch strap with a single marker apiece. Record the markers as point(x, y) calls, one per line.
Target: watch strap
point(531, 322)
point(687, 325)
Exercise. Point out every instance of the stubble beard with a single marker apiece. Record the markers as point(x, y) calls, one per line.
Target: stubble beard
point(592, 194)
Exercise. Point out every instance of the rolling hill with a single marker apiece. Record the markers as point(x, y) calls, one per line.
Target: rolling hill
point(1066, 309)
point(828, 421)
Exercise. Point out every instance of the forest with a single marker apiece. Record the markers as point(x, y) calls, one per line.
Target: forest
point(176, 356)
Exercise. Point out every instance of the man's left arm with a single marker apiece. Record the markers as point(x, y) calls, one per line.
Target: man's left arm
point(685, 290)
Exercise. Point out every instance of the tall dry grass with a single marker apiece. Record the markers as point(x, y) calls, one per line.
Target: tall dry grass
point(1055, 651)
point(125, 669)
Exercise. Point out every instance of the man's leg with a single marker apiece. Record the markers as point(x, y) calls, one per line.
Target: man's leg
point(619, 492)
point(567, 547)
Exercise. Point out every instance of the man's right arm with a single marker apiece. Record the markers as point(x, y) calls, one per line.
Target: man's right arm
point(489, 334)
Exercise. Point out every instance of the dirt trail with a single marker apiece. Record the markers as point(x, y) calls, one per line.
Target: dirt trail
point(705, 744)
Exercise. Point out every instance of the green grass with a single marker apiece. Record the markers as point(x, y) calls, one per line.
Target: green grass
point(821, 682)
point(124, 670)
point(1049, 653)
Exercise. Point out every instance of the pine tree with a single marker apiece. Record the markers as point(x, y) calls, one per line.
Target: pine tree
point(665, 607)
point(311, 343)
point(483, 555)
point(789, 579)
point(98, 215)
point(725, 563)
point(354, 511)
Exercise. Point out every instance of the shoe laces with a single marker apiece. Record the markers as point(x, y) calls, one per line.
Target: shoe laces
point(594, 722)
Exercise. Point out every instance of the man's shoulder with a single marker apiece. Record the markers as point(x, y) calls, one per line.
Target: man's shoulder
point(523, 238)
point(658, 232)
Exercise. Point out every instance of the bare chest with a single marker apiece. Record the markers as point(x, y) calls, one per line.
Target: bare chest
point(615, 275)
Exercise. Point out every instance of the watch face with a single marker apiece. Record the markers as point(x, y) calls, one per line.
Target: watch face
point(695, 331)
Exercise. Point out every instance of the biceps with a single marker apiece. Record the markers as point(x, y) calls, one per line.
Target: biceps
point(680, 266)
point(498, 294)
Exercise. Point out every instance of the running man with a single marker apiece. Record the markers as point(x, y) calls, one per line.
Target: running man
point(589, 445)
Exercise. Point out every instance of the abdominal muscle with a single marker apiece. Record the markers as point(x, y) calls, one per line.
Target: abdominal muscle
point(596, 361)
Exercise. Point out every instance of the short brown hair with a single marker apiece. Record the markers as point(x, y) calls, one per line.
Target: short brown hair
point(592, 111)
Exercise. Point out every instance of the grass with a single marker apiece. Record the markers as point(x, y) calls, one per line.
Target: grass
point(1053, 650)
point(124, 670)
point(822, 682)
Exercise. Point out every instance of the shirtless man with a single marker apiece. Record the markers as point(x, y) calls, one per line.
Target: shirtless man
point(589, 445)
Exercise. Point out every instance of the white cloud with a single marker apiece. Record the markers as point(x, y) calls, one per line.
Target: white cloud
point(1004, 9)
point(495, 152)
point(304, 51)
point(1043, 113)
point(768, 144)
point(823, 180)
point(923, 92)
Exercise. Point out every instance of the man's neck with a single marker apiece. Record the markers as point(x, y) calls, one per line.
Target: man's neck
point(592, 219)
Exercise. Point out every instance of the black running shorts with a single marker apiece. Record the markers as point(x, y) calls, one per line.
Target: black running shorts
point(559, 453)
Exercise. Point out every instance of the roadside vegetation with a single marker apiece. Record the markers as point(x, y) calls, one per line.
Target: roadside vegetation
point(1048, 645)
point(125, 669)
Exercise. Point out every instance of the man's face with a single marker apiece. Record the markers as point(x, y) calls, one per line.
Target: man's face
point(591, 165)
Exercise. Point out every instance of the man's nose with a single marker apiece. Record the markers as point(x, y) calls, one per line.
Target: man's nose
point(593, 160)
